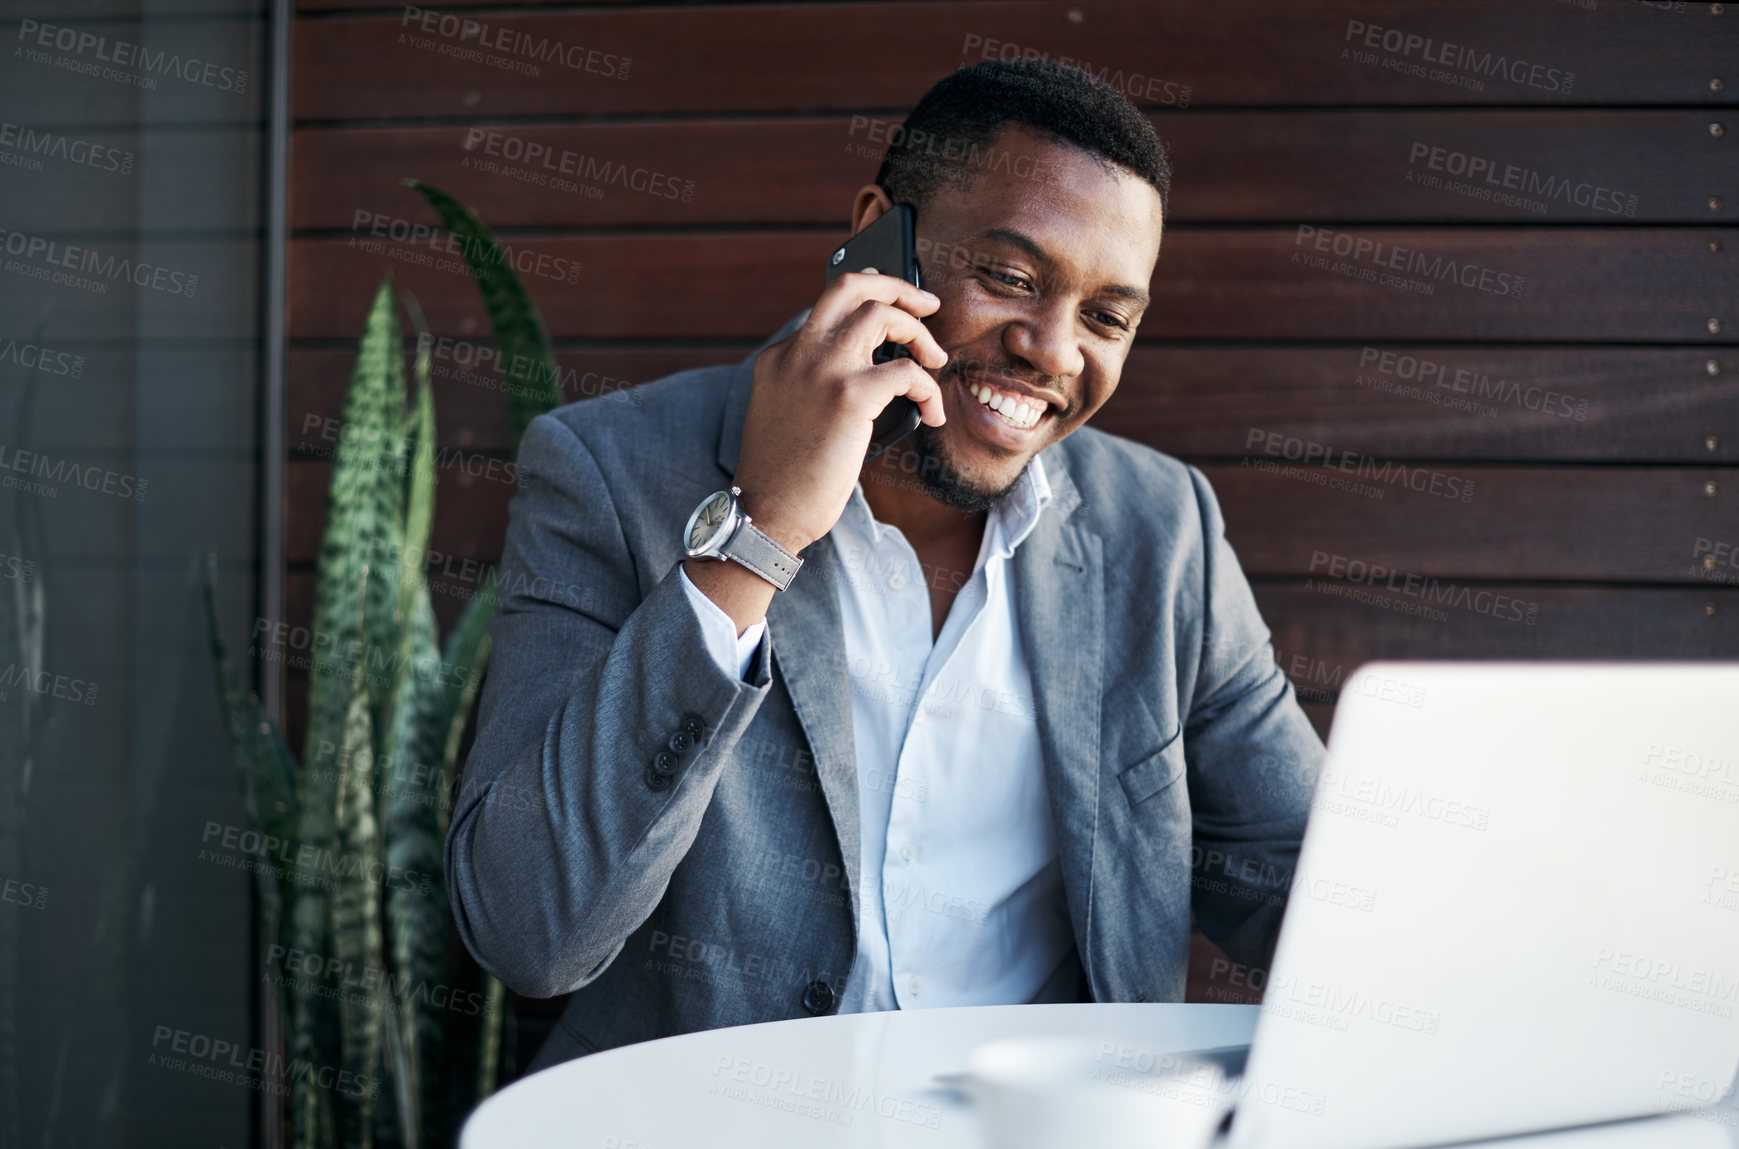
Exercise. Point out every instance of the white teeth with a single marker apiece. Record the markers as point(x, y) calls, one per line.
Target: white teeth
point(1016, 411)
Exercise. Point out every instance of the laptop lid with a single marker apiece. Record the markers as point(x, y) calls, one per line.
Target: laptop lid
point(1516, 908)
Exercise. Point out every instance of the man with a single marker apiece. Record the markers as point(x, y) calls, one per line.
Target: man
point(942, 765)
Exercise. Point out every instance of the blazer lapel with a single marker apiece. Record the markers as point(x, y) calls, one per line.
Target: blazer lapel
point(1060, 607)
point(808, 636)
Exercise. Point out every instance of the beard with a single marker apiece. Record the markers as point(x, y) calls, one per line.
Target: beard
point(948, 484)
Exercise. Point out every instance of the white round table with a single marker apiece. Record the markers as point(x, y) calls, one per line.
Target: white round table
point(859, 1080)
point(869, 1079)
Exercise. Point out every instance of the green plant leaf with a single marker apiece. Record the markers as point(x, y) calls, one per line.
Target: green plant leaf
point(263, 758)
point(268, 774)
point(494, 1024)
point(406, 1086)
point(355, 640)
point(420, 482)
point(417, 908)
point(356, 933)
point(462, 665)
point(533, 378)
point(365, 518)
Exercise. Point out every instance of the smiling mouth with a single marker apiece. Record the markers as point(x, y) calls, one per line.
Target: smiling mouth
point(1019, 411)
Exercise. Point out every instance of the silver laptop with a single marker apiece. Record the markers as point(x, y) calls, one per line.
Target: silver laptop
point(1516, 908)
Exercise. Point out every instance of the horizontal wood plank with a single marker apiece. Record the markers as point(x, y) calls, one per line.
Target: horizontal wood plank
point(1536, 404)
point(1319, 640)
point(1615, 167)
point(1391, 524)
point(810, 57)
point(1495, 404)
point(1301, 282)
point(470, 407)
point(470, 518)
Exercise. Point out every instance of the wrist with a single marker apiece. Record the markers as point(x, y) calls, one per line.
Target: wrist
point(764, 516)
point(733, 588)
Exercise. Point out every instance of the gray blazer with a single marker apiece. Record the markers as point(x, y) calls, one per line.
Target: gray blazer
point(1178, 762)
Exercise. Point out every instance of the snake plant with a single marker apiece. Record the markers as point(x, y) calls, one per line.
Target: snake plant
point(363, 811)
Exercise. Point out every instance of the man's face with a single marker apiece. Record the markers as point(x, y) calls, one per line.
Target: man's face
point(1043, 280)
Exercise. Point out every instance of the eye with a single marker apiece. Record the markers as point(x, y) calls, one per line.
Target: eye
point(1005, 278)
point(1106, 319)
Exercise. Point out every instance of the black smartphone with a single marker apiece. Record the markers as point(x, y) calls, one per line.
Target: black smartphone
point(888, 245)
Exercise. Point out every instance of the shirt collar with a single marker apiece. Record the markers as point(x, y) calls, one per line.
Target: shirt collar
point(1010, 521)
point(1015, 517)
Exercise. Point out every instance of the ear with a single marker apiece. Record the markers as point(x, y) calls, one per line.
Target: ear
point(871, 201)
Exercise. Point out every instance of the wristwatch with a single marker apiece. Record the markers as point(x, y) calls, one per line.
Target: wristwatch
point(718, 529)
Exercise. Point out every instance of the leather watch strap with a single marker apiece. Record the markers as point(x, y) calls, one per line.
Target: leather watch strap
point(762, 555)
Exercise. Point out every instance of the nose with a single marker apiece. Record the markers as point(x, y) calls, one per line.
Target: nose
point(1046, 340)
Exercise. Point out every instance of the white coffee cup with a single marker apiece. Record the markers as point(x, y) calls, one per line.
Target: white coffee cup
point(1065, 1092)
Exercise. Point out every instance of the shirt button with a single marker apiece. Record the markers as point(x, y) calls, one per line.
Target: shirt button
point(860, 515)
point(908, 852)
point(897, 580)
point(913, 985)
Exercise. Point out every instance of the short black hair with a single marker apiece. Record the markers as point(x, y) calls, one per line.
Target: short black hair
point(945, 138)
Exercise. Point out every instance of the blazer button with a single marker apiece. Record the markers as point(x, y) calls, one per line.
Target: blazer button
point(818, 998)
point(656, 781)
point(693, 725)
point(664, 764)
point(680, 742)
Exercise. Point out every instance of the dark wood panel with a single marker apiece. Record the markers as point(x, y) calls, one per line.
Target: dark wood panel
point(1392, 166)
point(1320, 639)
point(1542, 404)
point(470, 511)
point(1473, 165)
point(1563, 404)
point(1563, 284)
point(621, 286)
point(1639, 524)
point(809, 57)
point(470, 408)
point(1402, 531)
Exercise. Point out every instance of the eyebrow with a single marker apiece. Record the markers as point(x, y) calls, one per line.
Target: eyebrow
point(1019, 239)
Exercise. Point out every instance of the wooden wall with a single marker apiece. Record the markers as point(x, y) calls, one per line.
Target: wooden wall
point(1532, 389)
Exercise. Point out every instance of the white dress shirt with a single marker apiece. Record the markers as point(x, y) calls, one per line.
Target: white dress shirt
point(962, 899)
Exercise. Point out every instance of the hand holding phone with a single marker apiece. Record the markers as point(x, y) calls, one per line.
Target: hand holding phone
point(887, 246)
point(820, 396)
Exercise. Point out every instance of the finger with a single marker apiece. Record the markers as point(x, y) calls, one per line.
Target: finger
point(875, 323)
point(908, 379)
point(852, 289)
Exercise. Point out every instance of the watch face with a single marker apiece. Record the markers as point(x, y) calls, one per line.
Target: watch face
point(708, 521)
